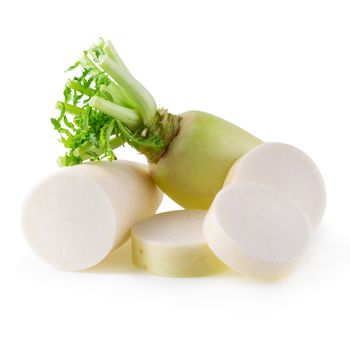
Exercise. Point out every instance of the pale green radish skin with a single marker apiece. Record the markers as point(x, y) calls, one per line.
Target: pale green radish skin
point(197, 160)
point(173, 264)
point(172, 244)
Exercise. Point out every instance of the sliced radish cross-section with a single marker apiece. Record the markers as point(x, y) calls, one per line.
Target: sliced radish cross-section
point(286, 169)
point(256, 230)
point(75, 217)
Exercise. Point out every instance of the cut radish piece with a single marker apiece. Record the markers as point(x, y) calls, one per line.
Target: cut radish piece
point(256, 230)
point(172, 244)
point(286, 169)
point(75, 217)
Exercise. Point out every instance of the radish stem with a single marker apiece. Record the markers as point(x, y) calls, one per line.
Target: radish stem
point(78, 87)
point(139, 94)
point(125, 115)
point(69, 108)
point(113, 54)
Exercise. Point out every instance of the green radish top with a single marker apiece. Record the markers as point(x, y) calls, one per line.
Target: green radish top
point(104, 107)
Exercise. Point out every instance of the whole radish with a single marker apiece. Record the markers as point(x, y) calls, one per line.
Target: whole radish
point(189, 154)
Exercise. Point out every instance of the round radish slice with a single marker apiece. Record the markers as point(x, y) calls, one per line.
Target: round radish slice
point(75, 217)
point(286, 169)
point(256, 230)
point(172, 244)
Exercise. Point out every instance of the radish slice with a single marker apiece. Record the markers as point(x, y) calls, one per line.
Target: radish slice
point(286, 169)
point(172, 244)
point(256, 230)
point(75, 217)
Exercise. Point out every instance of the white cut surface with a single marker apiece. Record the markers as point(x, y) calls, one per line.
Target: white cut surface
point(257, 231)
point(285, 169)
point(75, 217)
point(172, 244)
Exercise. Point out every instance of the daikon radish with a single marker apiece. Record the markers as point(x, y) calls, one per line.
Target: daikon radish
point(257, 231)
point(172, 244)
point(286, 169)
point(189, 154)
point(75, 217)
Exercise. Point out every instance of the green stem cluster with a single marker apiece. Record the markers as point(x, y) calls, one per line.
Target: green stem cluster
point(123, 84)
point(110, 107)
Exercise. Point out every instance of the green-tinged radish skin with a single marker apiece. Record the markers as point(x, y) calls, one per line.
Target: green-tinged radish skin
point(286, 169)
point(75, 217)
point(172, 244)
point(257, 231)
point(197, 160)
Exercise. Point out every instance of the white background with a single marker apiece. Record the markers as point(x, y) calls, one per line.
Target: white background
point(280, 69)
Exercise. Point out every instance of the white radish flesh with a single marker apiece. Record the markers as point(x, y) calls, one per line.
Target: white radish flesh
point(75, 217)
point(172, 244)
point(256, 230)
point(286, 169)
